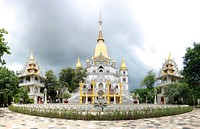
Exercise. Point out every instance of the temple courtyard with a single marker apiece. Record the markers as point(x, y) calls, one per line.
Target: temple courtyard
point(12, 120)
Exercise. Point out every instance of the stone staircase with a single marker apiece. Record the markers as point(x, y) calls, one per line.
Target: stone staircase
point(126, 98)
point(75, 98)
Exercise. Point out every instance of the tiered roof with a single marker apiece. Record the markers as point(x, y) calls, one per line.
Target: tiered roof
point(31, 67)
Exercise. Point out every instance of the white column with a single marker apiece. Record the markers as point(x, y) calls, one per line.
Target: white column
point(35, 99)
point(45, 98)
point(155, 100)
point(114, 99)
point(86, 99)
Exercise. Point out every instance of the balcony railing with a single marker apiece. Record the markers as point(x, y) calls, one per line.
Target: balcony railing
point(32, 83)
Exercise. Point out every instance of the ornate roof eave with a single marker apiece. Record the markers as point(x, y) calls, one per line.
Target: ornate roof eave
point(168, 74)
point(38, 75)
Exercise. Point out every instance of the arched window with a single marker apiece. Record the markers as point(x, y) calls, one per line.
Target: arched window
point(107, 70)
point(100, 71)
point(21, 80)
point(28, 79)
point(124, 79)
point(124, 72)
point(100, 67)
point(36, 79)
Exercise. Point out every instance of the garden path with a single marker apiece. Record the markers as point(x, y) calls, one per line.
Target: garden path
point(12, 120)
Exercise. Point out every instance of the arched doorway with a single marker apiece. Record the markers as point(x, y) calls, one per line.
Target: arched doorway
point(162, 100)
point(100, 86)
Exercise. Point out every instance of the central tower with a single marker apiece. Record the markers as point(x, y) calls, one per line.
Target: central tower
point(101, 46)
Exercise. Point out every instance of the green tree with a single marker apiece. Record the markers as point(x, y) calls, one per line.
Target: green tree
point(79, 76)
point(149, 81)
point(143, 95)
point(177, 91)
point(22, 94)
point(70, 78)
point(3, 46)
point(52, 85)
point(191, 65)
point(8, 85)
point(66, 78)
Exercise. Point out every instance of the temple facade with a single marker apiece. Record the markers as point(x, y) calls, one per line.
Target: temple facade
point(168, 74)
point(103, 77)
point(32, 78)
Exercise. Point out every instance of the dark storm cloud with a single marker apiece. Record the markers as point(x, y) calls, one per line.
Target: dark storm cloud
point(59, 32)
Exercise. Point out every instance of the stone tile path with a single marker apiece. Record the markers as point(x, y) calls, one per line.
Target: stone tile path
point(12, 120)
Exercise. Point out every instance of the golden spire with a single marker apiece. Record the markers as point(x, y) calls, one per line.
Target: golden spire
point(78, 64)
point(100, 29)
point(101, 46)
point(169, 56)
point(123, 65)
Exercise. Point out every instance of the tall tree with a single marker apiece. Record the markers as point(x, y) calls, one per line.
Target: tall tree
point(191, 62)
point(149, 80)
point(8, 85)
point(52, 85)
point(3, 46)
point(79, 77)
point(143, 95)
point(22, 94)
point(66, 78)
point(69, 78)
point(178, 91)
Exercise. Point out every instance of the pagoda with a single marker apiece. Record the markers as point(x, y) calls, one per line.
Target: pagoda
point(32, 78)
point(102, 77)
point(168, 74)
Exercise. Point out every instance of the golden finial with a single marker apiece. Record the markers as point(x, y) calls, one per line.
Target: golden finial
point(123, 65)
point(78, 64)
point(169, 56)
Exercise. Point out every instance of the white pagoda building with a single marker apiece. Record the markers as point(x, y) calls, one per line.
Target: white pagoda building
point(102, 76)
point(168, 74)
point(32, 78)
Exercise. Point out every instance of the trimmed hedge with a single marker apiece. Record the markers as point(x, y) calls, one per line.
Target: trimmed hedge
point(106, 115)
point(198, 106)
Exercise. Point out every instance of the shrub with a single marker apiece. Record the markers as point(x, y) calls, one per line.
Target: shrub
point(117, 114)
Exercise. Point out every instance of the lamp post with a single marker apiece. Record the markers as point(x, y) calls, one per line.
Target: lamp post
point(155, 100)
point(45, 96)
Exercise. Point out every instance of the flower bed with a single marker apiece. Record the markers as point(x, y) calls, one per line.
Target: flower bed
point(107, 114)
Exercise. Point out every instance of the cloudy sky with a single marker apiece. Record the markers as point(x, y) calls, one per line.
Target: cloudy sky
point(143, 32)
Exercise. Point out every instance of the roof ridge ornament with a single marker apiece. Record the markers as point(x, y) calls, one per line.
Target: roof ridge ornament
point(170, 56)
point(32, 56)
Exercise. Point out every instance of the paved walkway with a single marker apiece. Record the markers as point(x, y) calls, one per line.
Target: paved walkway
point(12, 120)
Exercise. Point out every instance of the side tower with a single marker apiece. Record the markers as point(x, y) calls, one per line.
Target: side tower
point(168, 74)
point(32, 78)
point(123, 73)
point(78, 64)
